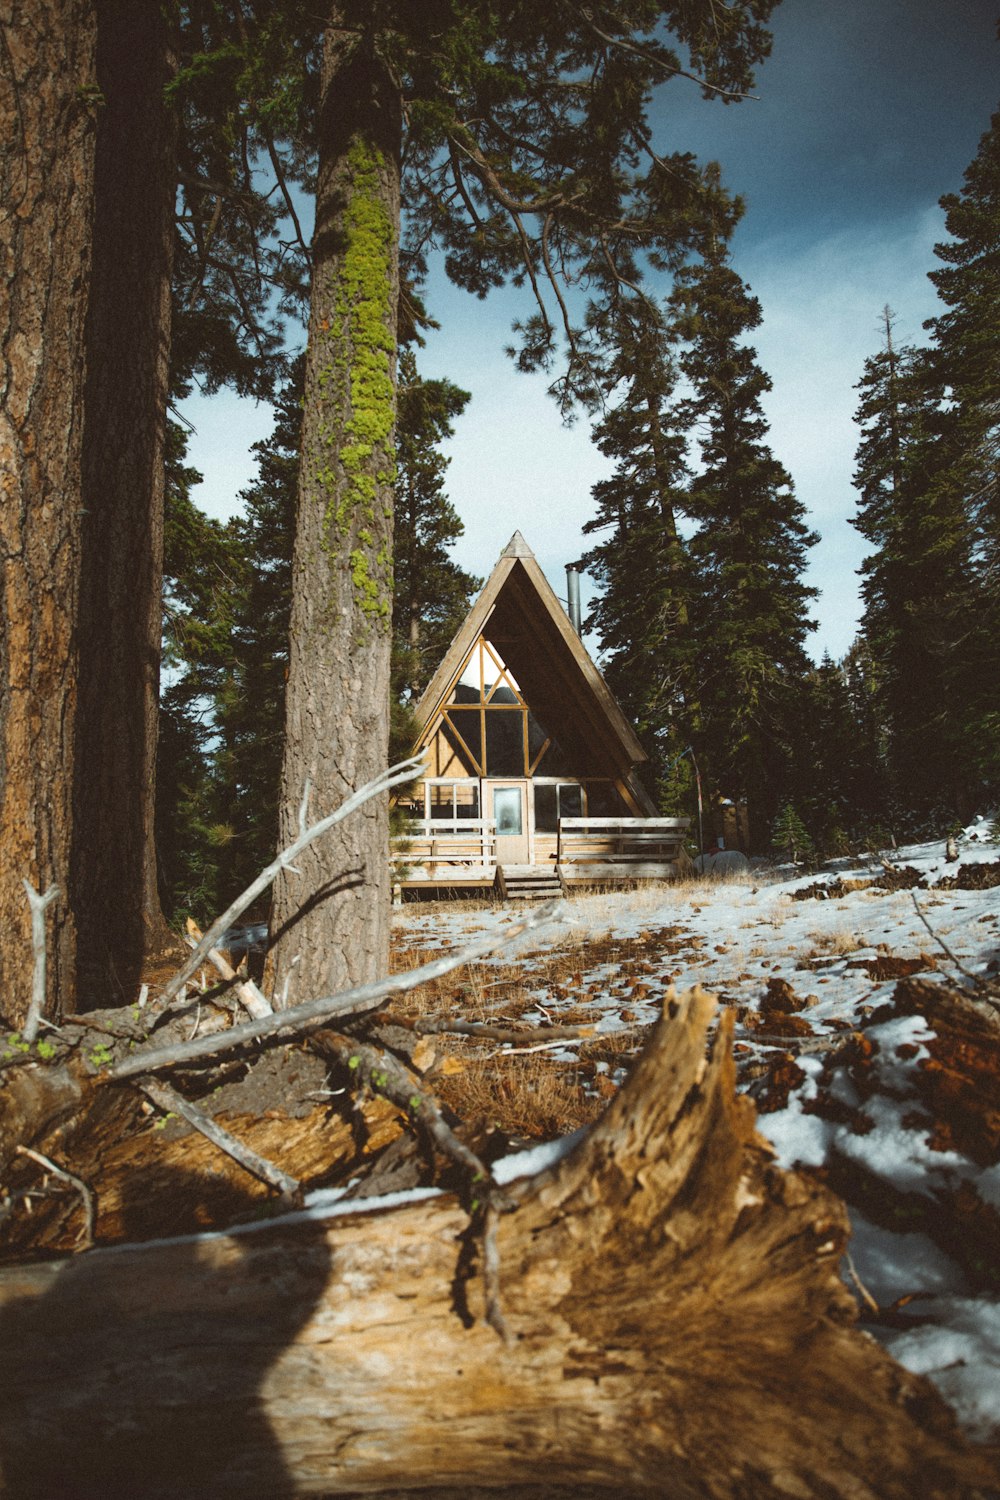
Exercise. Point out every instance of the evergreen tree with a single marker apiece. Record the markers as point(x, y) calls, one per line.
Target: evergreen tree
point(834, 778)
point(966, 361)
point(789, 836)
point(48, 82)
point(642, 566)
point(251, 704)
point(915, 580)
point(204, 574)
point(431, 592)
point(749, 616)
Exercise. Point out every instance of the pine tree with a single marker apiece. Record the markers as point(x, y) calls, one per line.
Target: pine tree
point(431, 592)
point(749, 616)
point(835, 776)
point(915, 580)
point(789, 836)
point(251, 705)
point(48, 94)
point(205, 573)
point(642, 566)
point(966, 362)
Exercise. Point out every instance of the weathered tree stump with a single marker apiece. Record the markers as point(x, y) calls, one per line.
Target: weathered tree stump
point(676, 1327)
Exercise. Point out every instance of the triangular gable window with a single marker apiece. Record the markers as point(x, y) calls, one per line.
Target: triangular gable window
point(489, 724)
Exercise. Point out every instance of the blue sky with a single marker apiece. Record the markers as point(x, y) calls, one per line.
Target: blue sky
point(866, 112)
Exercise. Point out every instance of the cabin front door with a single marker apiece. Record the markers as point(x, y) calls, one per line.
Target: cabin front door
point(507, 803)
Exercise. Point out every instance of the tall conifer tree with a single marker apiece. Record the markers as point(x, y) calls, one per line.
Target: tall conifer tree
point(750, 617)
point(915, 579)
point(431, 592)
point(966, 361)
point(642, 568)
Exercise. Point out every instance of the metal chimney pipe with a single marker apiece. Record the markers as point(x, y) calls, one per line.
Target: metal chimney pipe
point(573, 597)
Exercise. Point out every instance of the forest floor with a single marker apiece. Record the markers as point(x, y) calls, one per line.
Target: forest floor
point(843, 986)
point(825, 974)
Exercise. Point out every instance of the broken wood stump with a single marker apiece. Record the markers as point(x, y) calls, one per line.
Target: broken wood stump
point(675, 1326)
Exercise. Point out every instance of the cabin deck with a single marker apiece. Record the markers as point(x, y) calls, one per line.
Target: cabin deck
point(446, 854)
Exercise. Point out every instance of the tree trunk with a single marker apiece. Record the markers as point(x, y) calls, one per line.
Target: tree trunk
point(332, 918)
point(48, 111)
point(114, 885)
point(676, 1326)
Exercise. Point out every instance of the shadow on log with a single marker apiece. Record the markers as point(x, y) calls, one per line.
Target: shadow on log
point(676, 1327)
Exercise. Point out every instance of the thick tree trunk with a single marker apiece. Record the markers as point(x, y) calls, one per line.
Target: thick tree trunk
point(676, 1326)
point(332, 918)
point(48, 111)
point(114, 886)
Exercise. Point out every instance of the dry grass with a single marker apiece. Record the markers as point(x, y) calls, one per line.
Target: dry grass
point(839, 940)
point(530, 1096)
point(534, 1095)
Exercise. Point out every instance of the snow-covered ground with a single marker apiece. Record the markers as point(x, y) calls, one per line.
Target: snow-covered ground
point(838, 954)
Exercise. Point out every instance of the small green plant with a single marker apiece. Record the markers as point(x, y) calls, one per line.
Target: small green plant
point(789, 836)
point(100, 1056)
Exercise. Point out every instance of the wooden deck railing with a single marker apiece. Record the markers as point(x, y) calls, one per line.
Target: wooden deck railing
point(450, 841)
point(596, 848)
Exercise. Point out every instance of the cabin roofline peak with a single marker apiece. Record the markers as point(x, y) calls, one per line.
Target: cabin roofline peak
point(517, 547)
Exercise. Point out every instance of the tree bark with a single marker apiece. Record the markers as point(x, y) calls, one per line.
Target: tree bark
point(113, 874)
point(332, 918)
point(48, 111)
point(676, 1327)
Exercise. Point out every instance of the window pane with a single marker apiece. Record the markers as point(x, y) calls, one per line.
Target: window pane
point(441, 801)
point(507, 808)
point(603, 801)
point(467, 799)
point(466, 721)
point(570, 800)
point(504, 742)
point(545, 807)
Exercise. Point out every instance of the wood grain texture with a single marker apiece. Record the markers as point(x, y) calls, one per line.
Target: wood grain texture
point(677, 1326)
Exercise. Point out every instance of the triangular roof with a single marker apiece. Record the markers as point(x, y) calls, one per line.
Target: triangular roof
point(519, 612)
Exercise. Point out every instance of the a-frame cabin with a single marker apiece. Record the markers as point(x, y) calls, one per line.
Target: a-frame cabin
point(532, 766)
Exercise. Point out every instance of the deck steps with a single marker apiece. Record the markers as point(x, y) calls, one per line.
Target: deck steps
point(529, 883)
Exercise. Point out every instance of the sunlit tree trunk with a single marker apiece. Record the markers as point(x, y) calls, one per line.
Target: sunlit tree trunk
point(49, 104)
point(332, 917)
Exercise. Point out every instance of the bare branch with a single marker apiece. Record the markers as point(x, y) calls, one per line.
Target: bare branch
point(315, 1013)
point(169, 1100)
point(975, 978)
point(253, 1001)
point(459, 181)
point(87, 1235)
point(395, 776)
point(38, 905)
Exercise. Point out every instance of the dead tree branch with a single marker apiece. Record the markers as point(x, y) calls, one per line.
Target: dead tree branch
point(315, 1013)
point(395, 776)
point(170, 1101)
point(38, 906)
point(253, 1001)
point(87, 1233)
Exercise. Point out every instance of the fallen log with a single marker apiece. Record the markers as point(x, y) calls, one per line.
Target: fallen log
point(675, 1326)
